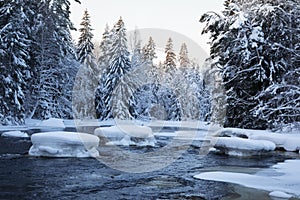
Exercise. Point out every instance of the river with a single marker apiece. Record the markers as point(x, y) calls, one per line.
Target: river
point(25, 177)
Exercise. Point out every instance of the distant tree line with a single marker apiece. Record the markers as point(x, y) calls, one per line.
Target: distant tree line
point(128, 85)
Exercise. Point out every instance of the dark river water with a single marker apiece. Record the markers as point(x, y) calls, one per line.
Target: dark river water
point(25, 177)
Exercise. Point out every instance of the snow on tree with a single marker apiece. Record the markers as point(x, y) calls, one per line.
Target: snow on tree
point(14, 55)
point(149, 51)
point(252, 45)
point(105, 46)
point(170, 62)
point(86, 84)
point(119, 65)
point(136, 49)
point(55, 67)
point(85, 46)
point(36, 55)
point(280, 103)
point(183, 56)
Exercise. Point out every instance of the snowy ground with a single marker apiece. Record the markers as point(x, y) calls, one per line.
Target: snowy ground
point(281, 180)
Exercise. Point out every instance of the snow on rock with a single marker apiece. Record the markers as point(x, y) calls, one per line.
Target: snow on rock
point(64, 144)
point(243, 147)
point(19, 134)
point(289, 142)
point(127, 135)
point(281, 195)
point(283, 177)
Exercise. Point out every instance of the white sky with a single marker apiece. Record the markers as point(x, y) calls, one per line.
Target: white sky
point(181, 16)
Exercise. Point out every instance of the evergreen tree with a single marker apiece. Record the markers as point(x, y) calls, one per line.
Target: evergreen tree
point(170, 62)
point(118, 66)
point(149, 51)
point(14, 55)
point(84, 90)
point(136, 41)
point(85, 46)
point(183, 56)
point(105, 46)
point(252, 45)
point(55, 67)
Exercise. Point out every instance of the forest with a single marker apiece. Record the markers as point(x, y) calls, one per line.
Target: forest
point(255, 53)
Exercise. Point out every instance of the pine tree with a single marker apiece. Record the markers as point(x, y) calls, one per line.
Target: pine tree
point(14, 56)
point(55, 67)
point(149, 51)
point(84, 90)
point(105, 46)
point(136, 41)
point(85, 46)
point(252, 45)
point(183, 56)
point(170, 62)
point(118, 66)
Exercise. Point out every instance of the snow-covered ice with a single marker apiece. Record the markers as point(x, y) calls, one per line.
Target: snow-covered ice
point(127, 135)
point(282, 178)
point(19, 134)
point(64, 144)
point(281, 195)
point(239, 147)
point(52, 123)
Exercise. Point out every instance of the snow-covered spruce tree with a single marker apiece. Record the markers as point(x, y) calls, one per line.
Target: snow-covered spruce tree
point(85, 45)
point(55, 69)
point(251, 45)
point(105, 46)
point(84, 90)
point(14, 57)
point(118, 66)
point(170, 62)
point(136, 49)
point(280, 103)
point(149, 51)
point(183, 56)
point(148, 55)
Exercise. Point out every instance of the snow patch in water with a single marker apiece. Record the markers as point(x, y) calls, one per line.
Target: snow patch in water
point(19, 134)
point(127, 135)
point(64, 144)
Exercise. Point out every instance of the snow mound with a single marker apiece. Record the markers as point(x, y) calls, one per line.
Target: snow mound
point(283, 177)
point(289, 142)
point(126, 135)
point(19, 134)
point(240, 147)
point(64, 144)
point(281, 195)
point(53, 123)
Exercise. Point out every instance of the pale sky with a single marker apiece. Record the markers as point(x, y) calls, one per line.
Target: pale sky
point(176, 15)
